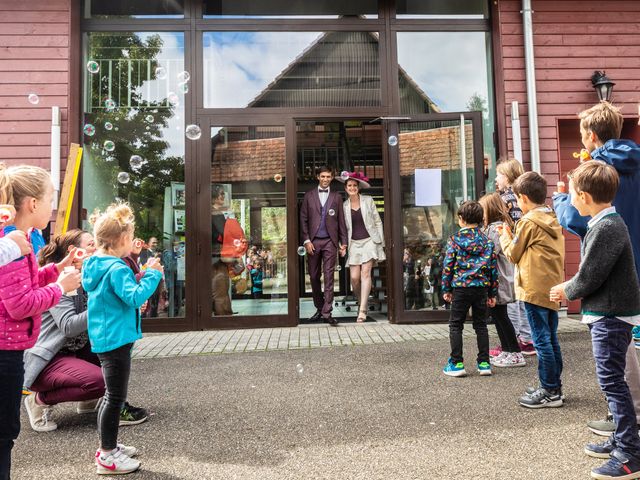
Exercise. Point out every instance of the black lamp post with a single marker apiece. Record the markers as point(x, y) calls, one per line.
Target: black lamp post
point(602, 85)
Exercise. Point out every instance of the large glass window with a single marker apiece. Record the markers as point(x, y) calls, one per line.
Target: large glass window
point(442, 9)
point(134, 8)
point(134, 145)
point(454, 77)
point(289, 8)
point(248, 221)
point(291, 69)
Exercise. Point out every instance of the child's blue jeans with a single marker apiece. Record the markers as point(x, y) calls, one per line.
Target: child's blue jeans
point(544, 333)
point(610, 339)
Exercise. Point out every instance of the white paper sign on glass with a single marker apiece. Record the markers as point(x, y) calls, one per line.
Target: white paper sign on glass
point(428, 187)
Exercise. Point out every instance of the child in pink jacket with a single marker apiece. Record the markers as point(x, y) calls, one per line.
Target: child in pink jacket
point(25, 292)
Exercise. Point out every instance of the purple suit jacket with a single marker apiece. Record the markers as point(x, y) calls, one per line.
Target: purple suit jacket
point(311, 214)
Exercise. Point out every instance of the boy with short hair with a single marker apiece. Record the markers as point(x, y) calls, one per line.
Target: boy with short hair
point(469, 280)
point(537, 248)
point(607, 283)
point(600, 129)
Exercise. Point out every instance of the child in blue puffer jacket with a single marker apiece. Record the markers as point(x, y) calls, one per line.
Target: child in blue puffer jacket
point(600, 129)
point(469, 280)
point(113, 310)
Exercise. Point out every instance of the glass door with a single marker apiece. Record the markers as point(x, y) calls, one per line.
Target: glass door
point(436, 163)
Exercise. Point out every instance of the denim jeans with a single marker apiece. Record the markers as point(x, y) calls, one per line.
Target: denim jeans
point(116, 367)
point(11, 378)
point(610, 339)
point(463, 299)
point(544, 331)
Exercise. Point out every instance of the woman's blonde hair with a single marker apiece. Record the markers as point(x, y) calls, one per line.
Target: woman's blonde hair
point(495, 210)
point(511, 169)
point(109, 226)
point(22, 181)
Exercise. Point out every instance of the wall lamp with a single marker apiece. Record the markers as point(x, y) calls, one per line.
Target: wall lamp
point(602, 85)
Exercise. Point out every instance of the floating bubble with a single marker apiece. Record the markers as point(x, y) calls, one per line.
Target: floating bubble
point(184, 77)
point(161, 73)
point(344, 176)
point(33, 99)
point(300, 368)
point(277, 178)
point(339, 267)
point(331, 212)
point(116, 129)
point(5, 215)
point(173, 99)
point(149, 118)
point(89, 130)
point(135, 161)
point(108, 126)
point(148, 127)
point(80, 253)
point(392, 140)
point(109, 146)
point(137, 243)
point(183, 87)
point(109, 104)
point(123, 177)
point(237, 242)
point(93, 67)
point(193, 132)
point(302, 251)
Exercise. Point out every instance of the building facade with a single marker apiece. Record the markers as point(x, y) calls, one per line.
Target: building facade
point(197, 112)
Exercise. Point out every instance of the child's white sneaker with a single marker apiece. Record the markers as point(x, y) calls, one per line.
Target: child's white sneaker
point(39, 415)
point(115, 462)
point(509, 360)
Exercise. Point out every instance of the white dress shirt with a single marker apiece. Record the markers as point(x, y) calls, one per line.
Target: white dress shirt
point(324, 196)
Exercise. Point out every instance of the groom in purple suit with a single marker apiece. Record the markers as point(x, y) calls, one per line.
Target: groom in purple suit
point(323, 234)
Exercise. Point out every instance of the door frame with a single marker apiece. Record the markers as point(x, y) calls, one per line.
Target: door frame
point(397, 313)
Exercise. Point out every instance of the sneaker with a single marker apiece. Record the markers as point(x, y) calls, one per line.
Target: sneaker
point(509, 360)
point(532, 390)
point(484, 369)
point(39, 415)
point(542, 398)
point(635, 331)
point(494, 352)
point(620, 466)
point(127, 450)
point(130, 415)
point(600, 450)
point(115, 462)
point(88, 406)
point(527, 348)
point(493, 360)
point(454, 369)
point(604, 427)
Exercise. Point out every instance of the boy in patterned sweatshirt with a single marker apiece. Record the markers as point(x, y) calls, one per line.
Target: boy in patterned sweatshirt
point(469, 280)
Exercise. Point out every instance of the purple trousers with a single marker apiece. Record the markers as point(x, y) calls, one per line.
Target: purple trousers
point(323, 262)
point(70, 378)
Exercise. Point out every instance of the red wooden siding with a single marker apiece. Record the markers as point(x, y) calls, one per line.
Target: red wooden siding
point(34, 58)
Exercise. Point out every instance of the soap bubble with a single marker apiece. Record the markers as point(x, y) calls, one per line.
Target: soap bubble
point(300, 368)
point(149, 118)
point(339, 267)
point(93, 67)
point(108, 126)
point(302, 251)
point(193, 132)
point(183, 87)
point(392, 140)
point(116, 129)
point(344, 175)
point(123, 177)
point(237, 242)
point(184, 77)
point(135, 161)
point(148, 127)
point(173, 99)
point(33, 99)
point(277, 178)
point(109, 104)
point(331, 212)
point(161, 73)
point(109, 146)
point(89, 130)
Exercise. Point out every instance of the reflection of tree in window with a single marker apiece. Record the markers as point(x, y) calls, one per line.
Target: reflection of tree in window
point(127, 61)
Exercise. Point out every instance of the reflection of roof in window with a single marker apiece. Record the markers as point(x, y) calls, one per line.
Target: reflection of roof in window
point(339, 69)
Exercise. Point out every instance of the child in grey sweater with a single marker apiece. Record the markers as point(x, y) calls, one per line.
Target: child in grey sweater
point(607, 283)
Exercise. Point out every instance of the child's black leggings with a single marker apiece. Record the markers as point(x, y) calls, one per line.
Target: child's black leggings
point(506, 333)
point(116, 366)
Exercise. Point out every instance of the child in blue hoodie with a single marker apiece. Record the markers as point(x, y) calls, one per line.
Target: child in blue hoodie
point(469, 280)
point(113, 307)
point(600, 129)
